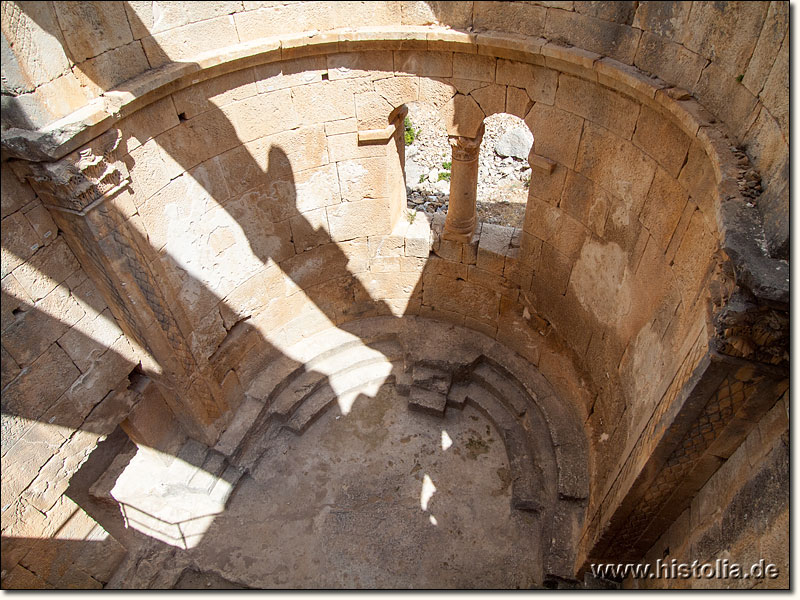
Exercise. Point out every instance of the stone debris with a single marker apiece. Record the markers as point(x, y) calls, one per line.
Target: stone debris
point(503, 170)
point(516, 143)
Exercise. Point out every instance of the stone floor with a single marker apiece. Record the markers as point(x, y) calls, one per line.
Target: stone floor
point(379, 463)
point(383, 497)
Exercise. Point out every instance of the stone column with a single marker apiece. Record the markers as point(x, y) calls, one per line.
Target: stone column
point(461, 219)
point(88, 195)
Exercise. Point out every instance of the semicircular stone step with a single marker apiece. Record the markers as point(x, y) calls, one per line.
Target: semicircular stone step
point(281, 385)
point(503, 387)
point(313, 406)
point(527, 486)
point(296, 359)
point(318, 370)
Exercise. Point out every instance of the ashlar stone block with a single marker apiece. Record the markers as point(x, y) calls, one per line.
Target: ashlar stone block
point(556, 133)
point(359, 218)
point(492, 248)
point(657, 135)
point(616, 165)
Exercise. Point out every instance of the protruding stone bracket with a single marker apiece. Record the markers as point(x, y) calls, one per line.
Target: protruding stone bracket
point(461, 217)
point(540, 163)
point(82, 180)
point(378, 136)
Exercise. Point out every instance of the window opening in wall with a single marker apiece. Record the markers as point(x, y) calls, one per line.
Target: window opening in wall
point(427, 159)
point(504, 174)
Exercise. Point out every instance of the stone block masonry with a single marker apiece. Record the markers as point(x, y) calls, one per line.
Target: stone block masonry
point(249, 193)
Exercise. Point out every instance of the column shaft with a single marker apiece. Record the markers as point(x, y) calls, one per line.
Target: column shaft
point(461, 217)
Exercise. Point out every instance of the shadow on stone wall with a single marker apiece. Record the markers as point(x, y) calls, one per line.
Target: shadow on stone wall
point(47, 557)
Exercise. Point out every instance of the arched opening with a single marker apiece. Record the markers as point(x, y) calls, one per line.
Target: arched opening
point(337, 298)
point(427, 160)
point(503, 170)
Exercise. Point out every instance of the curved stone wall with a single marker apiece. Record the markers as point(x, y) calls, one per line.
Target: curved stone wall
point(236, 204)
point(732, 57)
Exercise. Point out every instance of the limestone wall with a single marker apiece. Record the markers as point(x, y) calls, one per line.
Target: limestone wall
point(254, 194)
point(64, 388)
point(732, 57)
point(739, 515)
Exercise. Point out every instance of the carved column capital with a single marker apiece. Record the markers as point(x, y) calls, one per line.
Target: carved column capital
point(80, 180)
point(466, 149)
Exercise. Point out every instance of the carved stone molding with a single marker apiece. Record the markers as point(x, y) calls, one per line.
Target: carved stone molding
point(753, 331)
point(81, 180)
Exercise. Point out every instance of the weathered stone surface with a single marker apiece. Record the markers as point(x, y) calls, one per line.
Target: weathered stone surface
point(662, 140)
point(603, 107)
point(450, 14)
point(586, 202)
point(29, 454)
point(491, 99)
point(774, 93)
point(555, 227)
point(109, 69)
point(661, 212)
point(372, 111)
point(101, 377)
point(545, 186)
point(431, 378)
point(665, 19)
point(41, 221)
point(91, 30)
point(435, 92)
point(462, 297)
point(587, 32)
point(289, 73)
point(53, 478)
point(190, 40)
point(359, 64)
point(539, 82)
point(418, 238)
point(15, 194)
point(306, 269)
point(673, 63)
point(323, 101)
point(517, 18)
point(726, 98)
point(556, 133)
point(362, 178)
point(41, 325)
point(19, 241)
point(494, 243)
point(475, 68)
point(617, 12)
point(49, 267)
point(616, 165)
point(518, 103)
point(424, 64)
point(310, 230)
point(27, 65)
point(726, 34)
point(427, 401)
point(697, 241)
point(398, 90)
point(767, 49)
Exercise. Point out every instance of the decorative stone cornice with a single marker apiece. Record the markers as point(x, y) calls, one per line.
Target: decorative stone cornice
point(81, 180)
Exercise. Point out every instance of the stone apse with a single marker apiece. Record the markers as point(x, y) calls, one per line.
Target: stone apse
point(205, 238)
